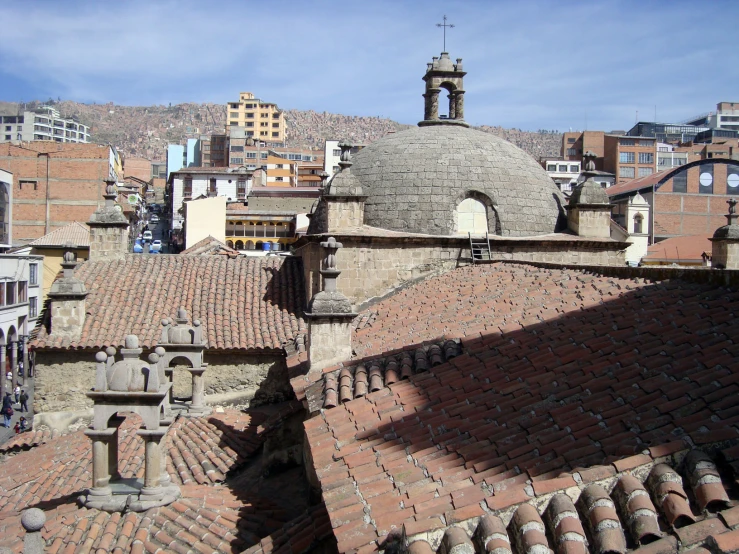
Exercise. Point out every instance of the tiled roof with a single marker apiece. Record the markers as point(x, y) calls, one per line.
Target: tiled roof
point(638, 184)
point(243, 303)
point(209, 245)
point(27, 440)
point(208, 518)
point(299, 535)
point(677, 249)
point(75, 234)
point(558, 370)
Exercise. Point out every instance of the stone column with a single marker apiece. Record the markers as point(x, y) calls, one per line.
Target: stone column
point(197, 404)
point(431, 104)
point(452, 105)
point(3, 377)
point(14, 363)
point(101, 448)
point(114, 424)
point(152, 464)
point(164, 478)
point(26, 369)
point(459, 109)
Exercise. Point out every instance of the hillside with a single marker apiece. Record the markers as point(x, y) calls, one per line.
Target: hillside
point(146, 130)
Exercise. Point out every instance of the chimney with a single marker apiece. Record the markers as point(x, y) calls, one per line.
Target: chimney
point(330, 316)
point(108, 228)
point(67, 296)
point(589, 209)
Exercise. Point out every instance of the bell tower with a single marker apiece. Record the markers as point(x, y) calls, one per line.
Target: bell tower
point(442, 74)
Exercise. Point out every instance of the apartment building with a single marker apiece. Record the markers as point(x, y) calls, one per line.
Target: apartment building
point(624, 156)
point(196, 182)
point(726, 117)
point(55, 184)
point(259, 119)
point(44, 123)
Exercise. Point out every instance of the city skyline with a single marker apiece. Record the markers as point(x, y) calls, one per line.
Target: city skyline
point(531, 65)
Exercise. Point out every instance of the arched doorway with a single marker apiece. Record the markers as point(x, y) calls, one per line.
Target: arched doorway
point(472, 217)
point(239, 245)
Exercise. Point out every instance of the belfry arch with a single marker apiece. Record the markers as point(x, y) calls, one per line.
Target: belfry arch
point(442, 74)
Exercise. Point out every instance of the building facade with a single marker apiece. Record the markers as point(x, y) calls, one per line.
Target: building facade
point(55, 184)
point(195, 182)
point(259, 119)
point(624, 156)
point(44, 123)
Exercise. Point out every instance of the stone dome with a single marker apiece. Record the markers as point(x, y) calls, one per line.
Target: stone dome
point(415, 179)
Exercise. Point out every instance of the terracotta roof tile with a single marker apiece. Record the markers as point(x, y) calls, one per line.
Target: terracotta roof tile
point(209, 245)
point(75, 234)
point(243, 303)
point(609, 368)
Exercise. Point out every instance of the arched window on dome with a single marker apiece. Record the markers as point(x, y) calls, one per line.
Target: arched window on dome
point(472, 217)
point(638, 220)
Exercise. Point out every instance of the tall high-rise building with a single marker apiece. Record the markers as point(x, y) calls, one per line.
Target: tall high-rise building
point(45, 123)
point(261, 120)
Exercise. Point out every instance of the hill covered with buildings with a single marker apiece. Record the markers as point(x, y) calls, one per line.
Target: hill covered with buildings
point(146, 130)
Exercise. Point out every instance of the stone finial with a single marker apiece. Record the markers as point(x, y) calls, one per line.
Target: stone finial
point(330, 300)
point(345, 161)
point(33, 520)
point(131, 342)
point(589, 158)
point(68, 257)
point(159, 351)
point(732, 206)
point(181, 315)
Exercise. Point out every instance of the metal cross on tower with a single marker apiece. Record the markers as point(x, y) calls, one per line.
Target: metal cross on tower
point(444, 26)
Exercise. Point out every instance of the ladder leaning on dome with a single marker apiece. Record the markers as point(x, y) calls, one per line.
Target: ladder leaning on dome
point(480, 250)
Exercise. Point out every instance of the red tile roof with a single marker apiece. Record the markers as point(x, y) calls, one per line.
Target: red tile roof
point(209, 245)
point(208, 518)
point(243, 303)
point(679, 249)
point(558, 370)
point(75, 234)
point(638, 184)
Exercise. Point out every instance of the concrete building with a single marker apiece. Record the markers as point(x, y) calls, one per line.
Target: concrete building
point(332, 155)
point(626, 157)
point(725, 117)
point(73, 237)
point(261, 120)
point(44, 123)
point(204, 217)
point(56, 184)
point(194, 182)
point(564, 173)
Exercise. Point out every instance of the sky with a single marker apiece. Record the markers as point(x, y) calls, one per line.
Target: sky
point(531, 64)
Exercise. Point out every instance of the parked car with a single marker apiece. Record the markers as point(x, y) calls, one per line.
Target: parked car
point(138, 248)
point(154, 218)
point(148, 236)
point(156, 247)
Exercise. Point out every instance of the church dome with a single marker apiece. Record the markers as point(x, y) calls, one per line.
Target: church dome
point(415, 181)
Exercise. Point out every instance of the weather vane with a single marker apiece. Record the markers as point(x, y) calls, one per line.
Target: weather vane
point(444, 26)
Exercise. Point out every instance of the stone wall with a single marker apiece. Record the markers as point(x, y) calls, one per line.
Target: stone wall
point(344, 213)
point(373, 267)
point(62, 378)
point(108, 243)
point(68, 316)
point(330, 342)
point(588, 222)
point(725, 254)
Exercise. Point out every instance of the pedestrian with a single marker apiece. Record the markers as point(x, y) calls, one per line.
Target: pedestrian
point(7, 410)
point(24, 424)
point(17, 428)
point(10, 376)
point(17, 393)
point(20, 368)
point(24, 401)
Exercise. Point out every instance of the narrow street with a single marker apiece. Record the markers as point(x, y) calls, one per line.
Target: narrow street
point(6, 434)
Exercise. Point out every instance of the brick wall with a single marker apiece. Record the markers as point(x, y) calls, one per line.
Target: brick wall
point(74, 174)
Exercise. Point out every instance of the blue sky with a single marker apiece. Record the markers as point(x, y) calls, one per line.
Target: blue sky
point(532, 64)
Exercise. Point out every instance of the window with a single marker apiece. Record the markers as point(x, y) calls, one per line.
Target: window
point(644, 171)
point(551, 167)
point(249, 133)
point(574, 169)
point(264, 124)
point(8, 128)
point(705, 179)
point(33, 307)
point(264, 115)
point(276, 125)
point(212, 185)
point(279, 166)
point(645, 143)
point(250, 124)
point(264, 155)
point(563, 169)
point(22, 291)
point(663, 149)
point(337, 152)
point(239, 161)
point(263, 133)
point(626, 157)
point(237, 149)
point(9, 293)
point(33, 274)
point(251, 155)
point(279, 179)
point(275, 134)
point(572, 152)
point(627, 172)
point(234, 115)
point(187, 187)
point(27, 184)
point(275, 115)
point(646, 157)
point(570, 140)
point(627, 142)
point(249, 115)
point(234, 106)
point(8, 137)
